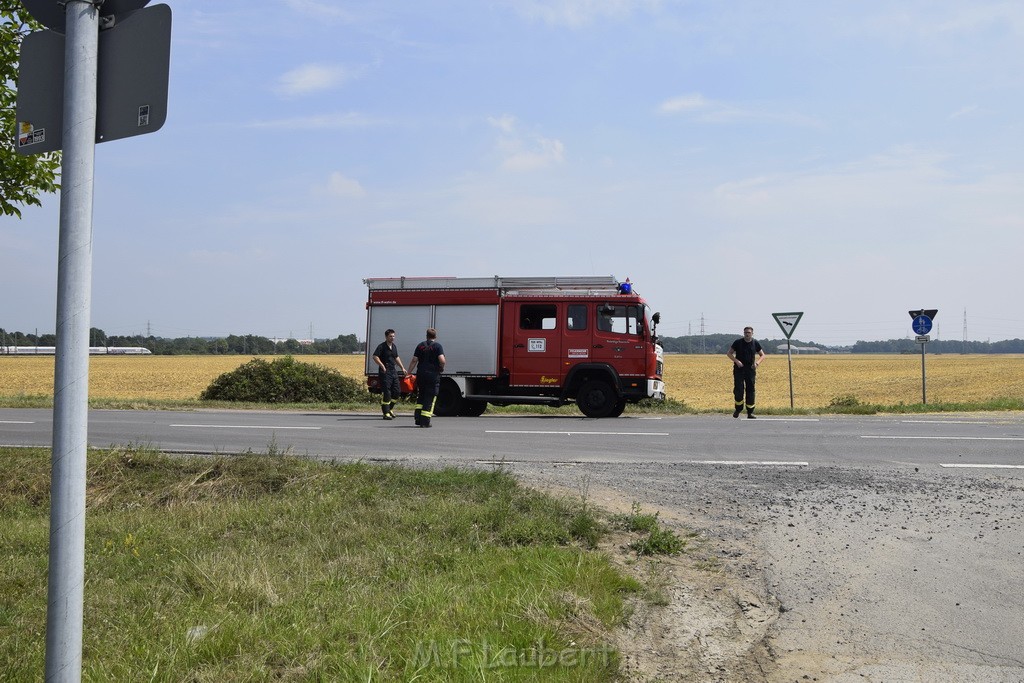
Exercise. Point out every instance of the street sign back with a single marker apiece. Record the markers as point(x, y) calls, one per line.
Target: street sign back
point(930, 312)
point(52, 14)
point(132, 81)
point(787, 322)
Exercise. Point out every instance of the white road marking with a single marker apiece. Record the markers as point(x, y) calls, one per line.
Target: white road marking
point(789, 419)
point(242, 427)
point(524, 431)
point(987, 467)
point(949, 438)
point(791, 463)
point(945, 422)
point(16, 422)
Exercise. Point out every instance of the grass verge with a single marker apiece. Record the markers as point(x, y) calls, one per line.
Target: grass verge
point(260, 568)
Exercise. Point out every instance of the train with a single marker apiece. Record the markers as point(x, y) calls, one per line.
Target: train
point(93, 351)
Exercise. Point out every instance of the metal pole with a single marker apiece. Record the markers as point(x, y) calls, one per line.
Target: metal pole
point(924, 392)
point(789, 352)
point(66, 583)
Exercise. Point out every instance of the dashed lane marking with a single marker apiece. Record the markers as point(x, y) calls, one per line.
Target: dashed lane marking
point(986, 467)
point(526, 431)
point(946, 422)
point(242, 427)
point(947, 438)
point(16, 422)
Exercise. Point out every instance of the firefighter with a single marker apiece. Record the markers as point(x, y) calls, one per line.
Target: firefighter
point(427, 364)
point(388, 362)
point(746, 354)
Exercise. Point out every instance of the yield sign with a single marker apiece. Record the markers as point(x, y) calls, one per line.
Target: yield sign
point(788, 322)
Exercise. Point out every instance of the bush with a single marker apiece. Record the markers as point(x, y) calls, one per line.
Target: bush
point(284, 380)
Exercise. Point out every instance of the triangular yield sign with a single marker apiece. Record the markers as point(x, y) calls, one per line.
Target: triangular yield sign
point(788, 322)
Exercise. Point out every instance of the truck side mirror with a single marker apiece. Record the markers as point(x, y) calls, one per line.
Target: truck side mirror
point(656, 318)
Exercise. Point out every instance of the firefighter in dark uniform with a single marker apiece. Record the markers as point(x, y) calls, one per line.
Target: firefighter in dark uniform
point(388, 362)
point(427, 363)
point(746, 354)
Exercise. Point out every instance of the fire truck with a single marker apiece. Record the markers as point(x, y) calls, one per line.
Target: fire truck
point(519, 340)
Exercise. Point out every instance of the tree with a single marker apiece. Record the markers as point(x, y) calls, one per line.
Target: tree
point(22, 178)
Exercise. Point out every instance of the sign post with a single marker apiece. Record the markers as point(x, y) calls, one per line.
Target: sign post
point(922, 325)
point(60, 90)
point(787, 323)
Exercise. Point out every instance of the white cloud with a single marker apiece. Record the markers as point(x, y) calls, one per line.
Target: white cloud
point(685, 103)
point(969, 110)
point(525, 152)
point(339, 185)
point(312, 78)
point(320, 122)
point(319, 9)
point(700, 108)
point(576, 13)
point(505, 123)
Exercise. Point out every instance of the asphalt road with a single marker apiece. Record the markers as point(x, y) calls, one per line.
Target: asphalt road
point(894, 546)
point(990, 441)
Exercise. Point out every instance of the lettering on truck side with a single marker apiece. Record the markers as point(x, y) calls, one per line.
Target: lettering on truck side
point(579, 353)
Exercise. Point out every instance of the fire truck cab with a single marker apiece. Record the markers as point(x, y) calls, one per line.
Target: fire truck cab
point(546, 341)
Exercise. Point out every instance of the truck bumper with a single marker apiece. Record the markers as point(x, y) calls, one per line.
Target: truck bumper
point(656, 389)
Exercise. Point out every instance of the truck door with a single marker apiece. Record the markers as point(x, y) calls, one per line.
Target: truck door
point(619, 338)
point(536, 346)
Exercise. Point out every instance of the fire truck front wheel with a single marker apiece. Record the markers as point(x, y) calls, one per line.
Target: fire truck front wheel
point(597, 398)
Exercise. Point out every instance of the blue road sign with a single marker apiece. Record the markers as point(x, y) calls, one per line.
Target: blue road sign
point(922, 324)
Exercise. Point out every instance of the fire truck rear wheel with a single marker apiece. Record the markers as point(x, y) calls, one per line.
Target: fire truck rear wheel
point(597, 398)
point(473, 408)
point(449, 399)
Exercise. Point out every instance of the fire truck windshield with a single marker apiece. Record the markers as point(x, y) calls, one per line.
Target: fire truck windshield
point(620, 319)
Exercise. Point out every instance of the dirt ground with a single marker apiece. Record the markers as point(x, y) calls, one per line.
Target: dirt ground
point(709, 612)
point(823, 574)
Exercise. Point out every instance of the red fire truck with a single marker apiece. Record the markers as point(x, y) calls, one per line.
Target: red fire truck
point(546, 340)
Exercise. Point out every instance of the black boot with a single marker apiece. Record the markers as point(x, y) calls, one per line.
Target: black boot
point(384, 409)
point(416, 416)
point(391, 410)
point(736, 413)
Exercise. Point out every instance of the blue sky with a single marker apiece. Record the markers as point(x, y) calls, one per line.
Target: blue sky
point(848, 159)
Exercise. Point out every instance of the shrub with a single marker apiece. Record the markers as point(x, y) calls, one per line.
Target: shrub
point(284, 380)
point(845, 401)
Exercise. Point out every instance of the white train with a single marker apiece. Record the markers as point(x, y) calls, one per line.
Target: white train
point(93, 351)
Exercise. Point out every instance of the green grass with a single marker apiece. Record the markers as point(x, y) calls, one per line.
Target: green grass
point(655, 539)
point(274, 568)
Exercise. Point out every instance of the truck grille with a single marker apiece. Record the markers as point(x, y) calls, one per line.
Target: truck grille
point(659, 367)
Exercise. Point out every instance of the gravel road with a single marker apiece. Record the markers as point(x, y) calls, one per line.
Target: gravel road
point(826, 573)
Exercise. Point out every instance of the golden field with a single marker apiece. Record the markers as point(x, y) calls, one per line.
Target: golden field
point(702, 382)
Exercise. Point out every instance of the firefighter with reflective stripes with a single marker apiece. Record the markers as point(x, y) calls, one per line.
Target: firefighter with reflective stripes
point(427, 364)
point(746, 354)
point(388, 362)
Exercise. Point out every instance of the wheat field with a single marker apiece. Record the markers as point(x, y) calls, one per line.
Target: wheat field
point(702, 382)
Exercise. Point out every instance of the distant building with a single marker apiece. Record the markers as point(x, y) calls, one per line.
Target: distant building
point(781, 348)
